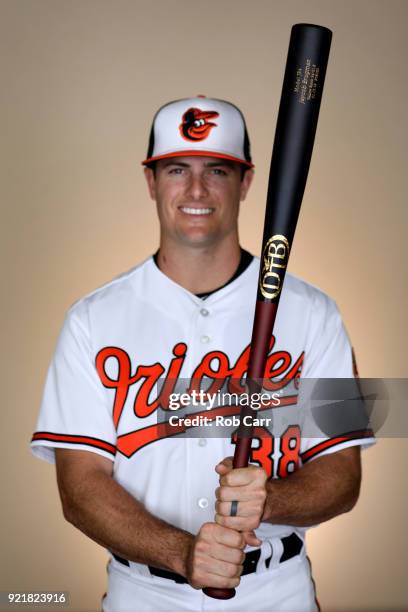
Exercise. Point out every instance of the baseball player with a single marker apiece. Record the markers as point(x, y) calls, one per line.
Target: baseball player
point(167, 505)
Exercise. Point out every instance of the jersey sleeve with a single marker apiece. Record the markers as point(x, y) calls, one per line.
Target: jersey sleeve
point(329, 355)
point(74, 411)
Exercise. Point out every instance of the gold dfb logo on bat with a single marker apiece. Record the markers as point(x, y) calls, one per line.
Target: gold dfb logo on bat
point(274, 261)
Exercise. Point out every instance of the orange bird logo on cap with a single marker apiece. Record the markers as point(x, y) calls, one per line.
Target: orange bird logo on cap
point(195, 125)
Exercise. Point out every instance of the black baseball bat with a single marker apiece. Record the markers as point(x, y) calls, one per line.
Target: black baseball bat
point(302, 90)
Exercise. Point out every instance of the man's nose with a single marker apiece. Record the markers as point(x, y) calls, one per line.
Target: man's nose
point(197, 187)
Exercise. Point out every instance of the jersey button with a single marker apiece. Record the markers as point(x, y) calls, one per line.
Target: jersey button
point(205, 339)
point(204, 312)
point(203, 502)
point(202, 442)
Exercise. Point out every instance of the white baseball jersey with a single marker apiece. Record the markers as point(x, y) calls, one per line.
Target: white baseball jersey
point(120, 341)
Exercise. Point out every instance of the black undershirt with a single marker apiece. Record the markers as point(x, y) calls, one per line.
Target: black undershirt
point(245, 260)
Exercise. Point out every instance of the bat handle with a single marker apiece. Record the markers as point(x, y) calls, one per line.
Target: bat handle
point(241, 457)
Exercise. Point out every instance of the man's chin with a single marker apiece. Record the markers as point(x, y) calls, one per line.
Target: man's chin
point(199, 239)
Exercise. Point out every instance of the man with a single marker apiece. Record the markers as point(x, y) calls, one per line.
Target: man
point(170, 509)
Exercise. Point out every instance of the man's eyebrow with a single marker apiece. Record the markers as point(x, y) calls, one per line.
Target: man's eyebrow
point(220, 162)
point(172, 162)
point(210, 164)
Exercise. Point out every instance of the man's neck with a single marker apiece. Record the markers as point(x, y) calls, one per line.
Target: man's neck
point(200, 270)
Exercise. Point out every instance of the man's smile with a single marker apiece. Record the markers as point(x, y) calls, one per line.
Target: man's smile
point(188, 210)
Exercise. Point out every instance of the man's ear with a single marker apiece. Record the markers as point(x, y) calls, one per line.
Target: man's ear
point(246, 183)
point(151, 182)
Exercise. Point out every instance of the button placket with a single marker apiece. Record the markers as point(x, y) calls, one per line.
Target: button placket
point(200, 494)
point(205, 338)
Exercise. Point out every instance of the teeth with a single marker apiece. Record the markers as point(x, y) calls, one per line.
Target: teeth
point(196, 211)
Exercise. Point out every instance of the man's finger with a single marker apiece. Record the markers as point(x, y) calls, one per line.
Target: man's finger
point(251, 538)
point(228, 537)
point(229, 494)
point(245, 508)
point(221, 552)
point(238, 523)
point(243, 476)
point(224, 466)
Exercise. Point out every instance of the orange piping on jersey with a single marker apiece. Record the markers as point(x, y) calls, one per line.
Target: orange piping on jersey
point(87, 440)
point(353, 435)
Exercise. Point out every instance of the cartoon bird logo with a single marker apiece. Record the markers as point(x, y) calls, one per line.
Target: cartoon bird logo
point(195, 125)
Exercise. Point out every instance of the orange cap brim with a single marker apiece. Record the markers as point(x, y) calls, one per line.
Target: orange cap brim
point(195, 153)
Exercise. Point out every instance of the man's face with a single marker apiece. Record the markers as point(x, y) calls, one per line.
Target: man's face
point(197, 198)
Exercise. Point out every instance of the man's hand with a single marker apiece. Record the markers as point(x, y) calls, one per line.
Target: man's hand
point(216, 557)
point(247, 486)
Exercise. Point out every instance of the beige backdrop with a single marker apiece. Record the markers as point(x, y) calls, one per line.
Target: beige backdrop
point(80, 82)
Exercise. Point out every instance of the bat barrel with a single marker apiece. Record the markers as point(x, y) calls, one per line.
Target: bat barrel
point(305, 71)
point(299, 107)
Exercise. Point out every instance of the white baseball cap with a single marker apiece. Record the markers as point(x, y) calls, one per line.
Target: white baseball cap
point(199, 126)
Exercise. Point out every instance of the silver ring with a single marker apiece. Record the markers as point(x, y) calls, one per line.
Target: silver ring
point(234, 508)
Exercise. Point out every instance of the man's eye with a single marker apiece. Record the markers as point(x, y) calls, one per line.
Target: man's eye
point(175, 170)
point(219, 171)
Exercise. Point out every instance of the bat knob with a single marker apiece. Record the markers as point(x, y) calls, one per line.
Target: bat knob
point(219, 593)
